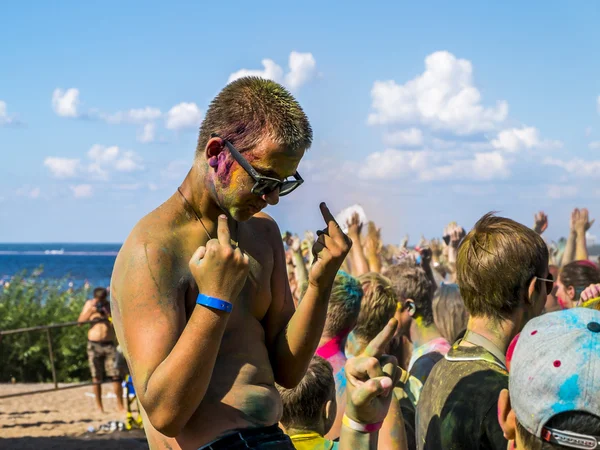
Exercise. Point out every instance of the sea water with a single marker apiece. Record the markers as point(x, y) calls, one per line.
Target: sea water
point(74, 263)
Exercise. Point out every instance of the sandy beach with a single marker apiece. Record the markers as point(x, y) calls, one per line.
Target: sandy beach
point(60, 420)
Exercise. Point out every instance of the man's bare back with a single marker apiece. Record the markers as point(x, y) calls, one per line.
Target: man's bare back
point(241, 393)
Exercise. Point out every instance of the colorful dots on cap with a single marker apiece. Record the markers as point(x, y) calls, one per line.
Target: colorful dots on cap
point(557, 363)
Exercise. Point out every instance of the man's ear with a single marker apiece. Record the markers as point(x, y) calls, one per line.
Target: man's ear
point(410, 307)
point(329, 414)
point(506, 416)
point(213, 149)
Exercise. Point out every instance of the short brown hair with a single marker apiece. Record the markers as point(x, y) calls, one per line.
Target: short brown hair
point(411, 282)
point(495, 263)
point(250, 108)
point(579, 274)
point(344, 305)
point(378, 306)
point(303, 405)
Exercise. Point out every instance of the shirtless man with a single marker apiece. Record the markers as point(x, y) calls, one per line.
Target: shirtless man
point(101, 347)
point(205, 376)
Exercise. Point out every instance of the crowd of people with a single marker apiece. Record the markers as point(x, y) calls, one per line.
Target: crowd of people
point(460, 304)
point(481, 340)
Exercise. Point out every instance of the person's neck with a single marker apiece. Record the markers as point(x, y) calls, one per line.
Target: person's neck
point(421, 334)
point(320, 429)
point(500, 332)
point(341, 338)
point(199, 198)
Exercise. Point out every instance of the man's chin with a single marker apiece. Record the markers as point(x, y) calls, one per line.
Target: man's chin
point(241, 215)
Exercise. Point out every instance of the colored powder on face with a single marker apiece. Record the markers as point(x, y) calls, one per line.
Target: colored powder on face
point(561, 301)
point(224, 171)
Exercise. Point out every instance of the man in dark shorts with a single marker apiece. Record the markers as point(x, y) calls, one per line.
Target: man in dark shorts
point(101, 347)
point(200, 294)
point(502, 271)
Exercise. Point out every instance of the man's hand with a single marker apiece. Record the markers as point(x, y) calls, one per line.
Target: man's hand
point(541, 222)
point(354, 226)
point(426, 256)
point(373, 243)
point(371, 377)
point(404, 243)
point(590, 292)
point(580, 220)
point(453, 234)
point(220, 270)
point(329, 251)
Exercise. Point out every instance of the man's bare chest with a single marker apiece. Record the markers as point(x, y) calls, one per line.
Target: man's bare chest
point(255, 297)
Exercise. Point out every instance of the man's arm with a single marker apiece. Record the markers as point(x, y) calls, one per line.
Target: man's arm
point(171, 361)
point(292, 337)
point(581, 225)
point(86, 312)
point(359, 264)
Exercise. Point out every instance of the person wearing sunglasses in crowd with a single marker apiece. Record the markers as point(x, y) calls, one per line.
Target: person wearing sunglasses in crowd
point(201, 300)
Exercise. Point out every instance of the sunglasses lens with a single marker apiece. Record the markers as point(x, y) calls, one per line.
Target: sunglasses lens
point(288, 187)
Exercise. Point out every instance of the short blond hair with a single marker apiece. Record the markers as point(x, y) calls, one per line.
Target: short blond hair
point(378, 305)
point(496, 261)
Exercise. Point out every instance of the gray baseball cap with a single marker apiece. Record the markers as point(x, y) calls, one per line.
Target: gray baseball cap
point(555, 368)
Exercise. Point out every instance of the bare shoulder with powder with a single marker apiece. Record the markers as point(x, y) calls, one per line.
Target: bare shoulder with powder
point(147, 293)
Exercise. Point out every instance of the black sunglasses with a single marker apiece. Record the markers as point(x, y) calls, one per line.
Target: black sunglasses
point(262, 185)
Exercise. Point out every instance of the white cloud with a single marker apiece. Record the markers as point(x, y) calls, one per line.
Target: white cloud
point(65, 103)
point(482, 167)
point(184, 115)
point(426, 165)
point(594, 145)
point(271, 71)
point(5, 118)
point(133, 116)
point(391, 164)
point(26, 191)
point(598, 103)
point(412, 137)
point(576, 166)
point(302, 68)
point(81, 190)
point(561, 191)
point(62, 167)
point(443, 97)
point(588, 131)
point(515, 139)
point(148, 133)
point(129, 162)
point(105, 159)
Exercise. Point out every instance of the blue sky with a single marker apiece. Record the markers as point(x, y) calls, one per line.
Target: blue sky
point(423, 113)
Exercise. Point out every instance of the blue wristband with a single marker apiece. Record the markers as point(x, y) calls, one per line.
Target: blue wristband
point(213, 302)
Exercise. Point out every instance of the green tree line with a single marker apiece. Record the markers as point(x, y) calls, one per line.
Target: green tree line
point(31, 301)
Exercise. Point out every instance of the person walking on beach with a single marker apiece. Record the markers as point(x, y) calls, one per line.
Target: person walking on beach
point(101, 346)
point(200, 296)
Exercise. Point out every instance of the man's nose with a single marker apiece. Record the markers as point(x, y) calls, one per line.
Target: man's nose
point(272, 198)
